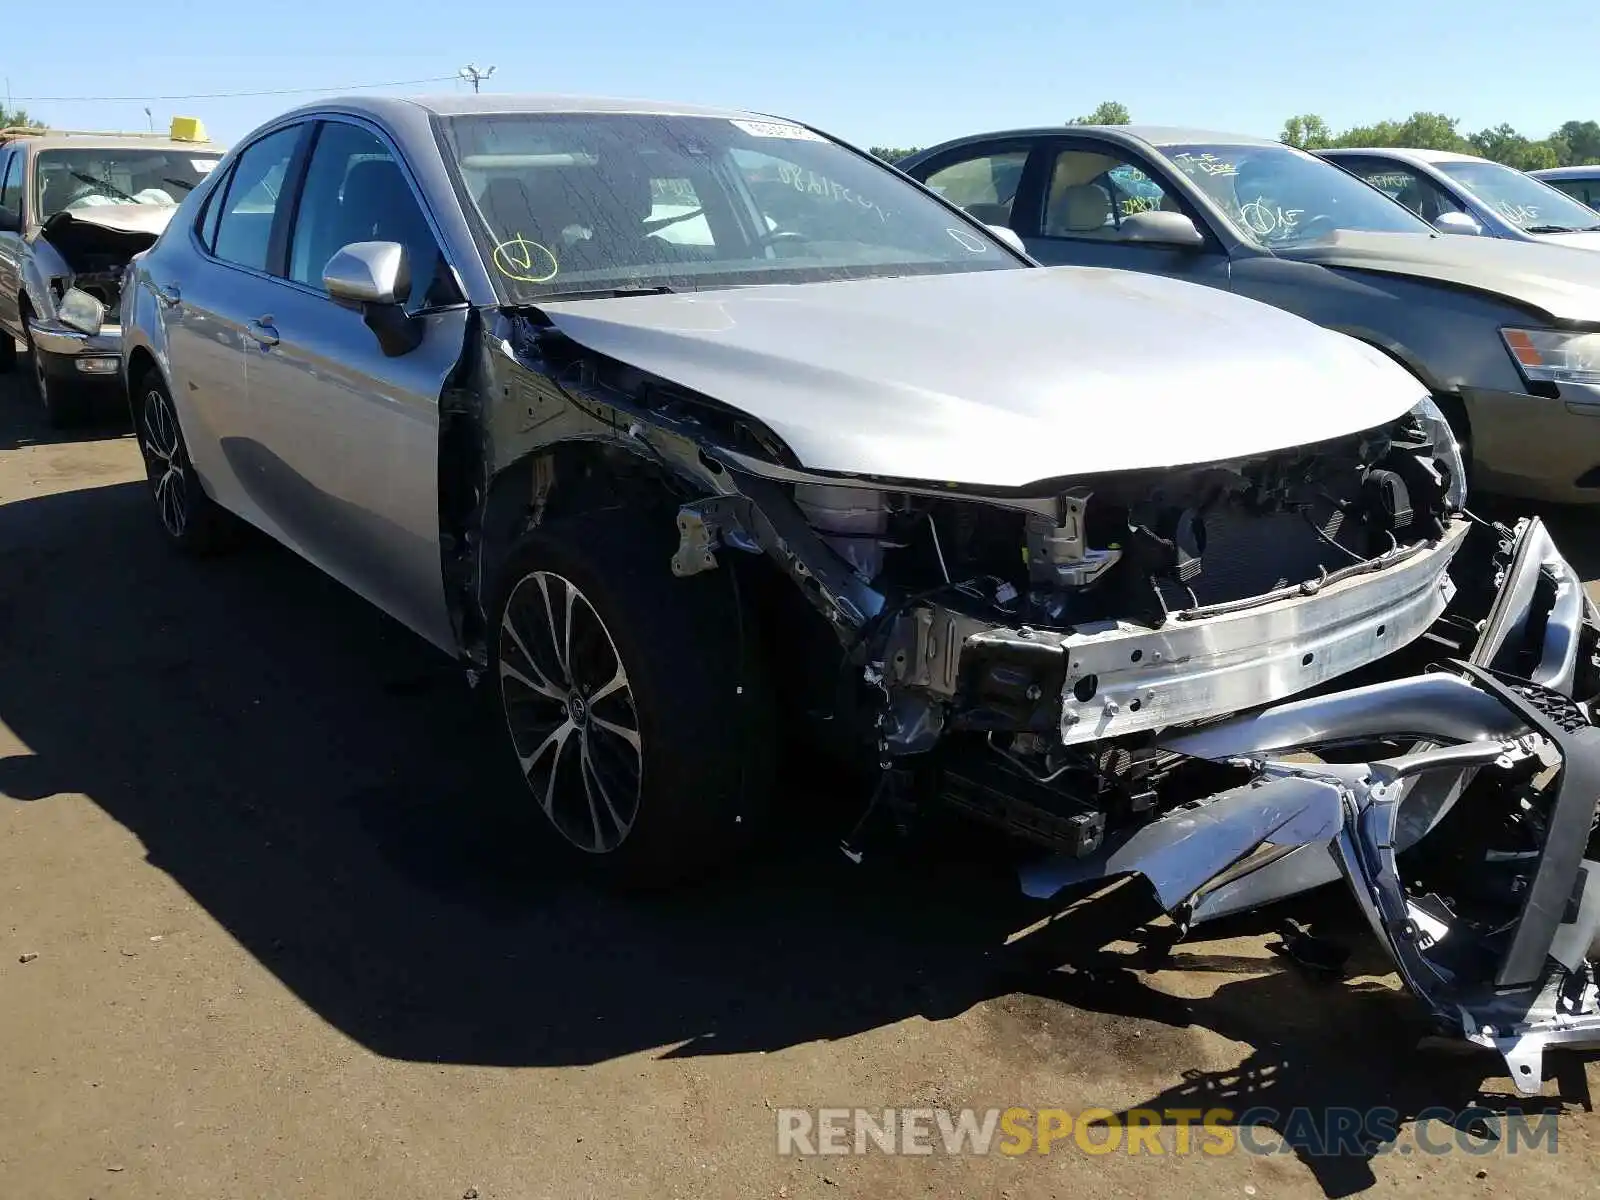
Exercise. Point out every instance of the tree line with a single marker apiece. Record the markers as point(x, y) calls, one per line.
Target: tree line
point(1575, 143)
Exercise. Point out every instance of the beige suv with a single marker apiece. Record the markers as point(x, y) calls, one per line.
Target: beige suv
point(74, 209)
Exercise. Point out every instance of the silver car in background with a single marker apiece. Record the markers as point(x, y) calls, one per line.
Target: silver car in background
point(696, 434)
point(1581, 183)
point(74, 208)
point(1444, 188)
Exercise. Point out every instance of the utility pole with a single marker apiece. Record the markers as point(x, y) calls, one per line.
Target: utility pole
point(474, 76)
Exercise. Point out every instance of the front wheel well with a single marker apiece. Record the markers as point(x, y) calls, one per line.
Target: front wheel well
point(567, 479)
point(140, 364)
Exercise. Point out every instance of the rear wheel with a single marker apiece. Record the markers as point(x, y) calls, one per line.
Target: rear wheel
point(634, 702)
point(191, 520)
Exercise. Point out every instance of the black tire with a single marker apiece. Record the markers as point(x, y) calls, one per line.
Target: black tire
point(191, 520)
point(688, 729)
point(64, 405)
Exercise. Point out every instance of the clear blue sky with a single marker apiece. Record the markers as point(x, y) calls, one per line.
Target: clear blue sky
point(871, 71)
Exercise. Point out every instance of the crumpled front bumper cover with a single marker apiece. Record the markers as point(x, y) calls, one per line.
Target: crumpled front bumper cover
point(1301, 822)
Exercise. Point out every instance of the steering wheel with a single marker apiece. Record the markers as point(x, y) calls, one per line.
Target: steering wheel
point(783, 235)
point(1319, 226)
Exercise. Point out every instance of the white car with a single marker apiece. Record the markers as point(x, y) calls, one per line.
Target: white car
point(1455, 192)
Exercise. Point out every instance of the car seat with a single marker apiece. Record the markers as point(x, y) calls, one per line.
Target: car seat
point(1081, 210)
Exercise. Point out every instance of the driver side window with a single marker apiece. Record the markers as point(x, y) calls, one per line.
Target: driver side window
point(356, 191)
point(1405, 185)
point(1092, 192)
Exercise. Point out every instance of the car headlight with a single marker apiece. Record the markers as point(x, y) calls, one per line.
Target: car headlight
point(1555, 355)
point(1445, 448)
point(81, 311)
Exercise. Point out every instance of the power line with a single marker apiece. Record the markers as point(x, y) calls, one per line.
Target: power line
point(348, 87)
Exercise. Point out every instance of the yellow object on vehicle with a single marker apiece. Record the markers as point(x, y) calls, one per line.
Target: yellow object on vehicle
point(188, 129)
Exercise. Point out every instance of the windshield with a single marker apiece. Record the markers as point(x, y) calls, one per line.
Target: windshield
point(1279, 197)
point(69, 180)
point(1521, 199)
point(577, 203)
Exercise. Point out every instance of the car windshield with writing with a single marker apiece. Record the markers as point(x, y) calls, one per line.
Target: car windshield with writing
point(1279, 197)
point(592, 204)
point(76, 179)
point(1530, 205)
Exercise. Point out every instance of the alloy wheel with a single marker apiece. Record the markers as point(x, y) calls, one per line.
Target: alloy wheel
point(164, 462)
point(570, 711)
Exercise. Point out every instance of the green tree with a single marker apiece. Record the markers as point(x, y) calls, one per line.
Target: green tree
point(1308, 131)
point(1108, 112)
point(1419, 131)
point(1582, 141)
point(1504, 144)
point(16, 116)
point(892, 154)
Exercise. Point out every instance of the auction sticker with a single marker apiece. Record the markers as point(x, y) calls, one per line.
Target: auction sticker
point(778, 129)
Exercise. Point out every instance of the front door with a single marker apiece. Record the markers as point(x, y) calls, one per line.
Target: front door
point(344, 439)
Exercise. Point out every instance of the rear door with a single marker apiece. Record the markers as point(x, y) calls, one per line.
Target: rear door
point(1074, 202)
point(342, 441)
point(207, 287)
point(983, 178)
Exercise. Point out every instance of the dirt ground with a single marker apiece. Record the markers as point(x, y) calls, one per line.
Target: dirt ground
point(265, 933)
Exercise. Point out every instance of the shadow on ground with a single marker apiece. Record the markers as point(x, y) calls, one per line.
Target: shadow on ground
point(326, 787)
point(23, 423)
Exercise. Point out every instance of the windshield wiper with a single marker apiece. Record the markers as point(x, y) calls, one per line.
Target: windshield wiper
point(183, 183)
point(101, 183)
point(607, 293)
point(1557, 228)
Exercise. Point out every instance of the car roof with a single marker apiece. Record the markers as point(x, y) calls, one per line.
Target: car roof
point(496, 103)
point(1154, 135)
point(1405, 154)
point(110, 141)
point(1591, 171)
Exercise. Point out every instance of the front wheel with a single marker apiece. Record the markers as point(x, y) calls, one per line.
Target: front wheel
point(634, 702)
point(63, 403)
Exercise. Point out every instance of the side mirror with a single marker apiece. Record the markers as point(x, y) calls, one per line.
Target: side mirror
point(368, 273)
point(375, 277)
point(1161, 228)
point(1457, 222)
point(81, 311)
point(1003, 233)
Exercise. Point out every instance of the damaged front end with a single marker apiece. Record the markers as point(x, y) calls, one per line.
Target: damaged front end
point(1203, 695)
point(78, 263)
point(1237, 680)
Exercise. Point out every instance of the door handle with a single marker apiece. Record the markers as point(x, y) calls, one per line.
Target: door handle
point(169, 295)
point(261, 329)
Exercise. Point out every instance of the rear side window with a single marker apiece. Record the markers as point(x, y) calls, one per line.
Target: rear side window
point(986, 186)
point(250, 204)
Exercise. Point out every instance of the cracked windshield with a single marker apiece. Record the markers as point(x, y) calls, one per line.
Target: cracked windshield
point(1279, 197)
